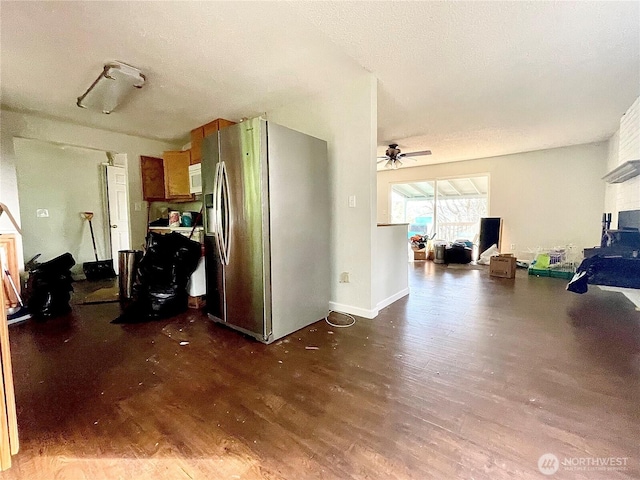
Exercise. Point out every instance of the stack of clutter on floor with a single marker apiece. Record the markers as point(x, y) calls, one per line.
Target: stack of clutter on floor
point(162, 277)
point(50, 287)
point(557, 262)
point(420, 246)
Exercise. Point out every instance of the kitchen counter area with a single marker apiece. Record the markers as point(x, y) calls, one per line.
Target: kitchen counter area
point(198, 232)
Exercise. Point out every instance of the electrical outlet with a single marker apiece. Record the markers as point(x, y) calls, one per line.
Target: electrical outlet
point(42, 213)
point(344, 277)
point(137, 206)
point(513, 247)
point(352, 201)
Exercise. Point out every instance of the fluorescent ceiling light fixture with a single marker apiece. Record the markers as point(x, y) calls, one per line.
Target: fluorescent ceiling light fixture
point(624, 172)
point(114, 84)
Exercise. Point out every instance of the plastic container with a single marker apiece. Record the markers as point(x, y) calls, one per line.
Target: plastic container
point(439, 248)
point(127, 267)
point(174, 219)
point(539, 272)
point(186, 219)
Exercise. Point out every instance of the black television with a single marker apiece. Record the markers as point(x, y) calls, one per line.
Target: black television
point(629, 220)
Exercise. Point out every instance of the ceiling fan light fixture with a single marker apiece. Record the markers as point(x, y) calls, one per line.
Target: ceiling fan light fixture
point(389, 164)
point(113, 85)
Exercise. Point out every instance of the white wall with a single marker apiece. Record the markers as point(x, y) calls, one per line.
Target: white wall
point(347, 120)
point(23, 125)
point(624, 145)
point(65, 181)
point(391, 265)
point(546, 198)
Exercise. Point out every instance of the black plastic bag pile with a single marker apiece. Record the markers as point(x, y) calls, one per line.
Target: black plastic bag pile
point(601, 270)
point(162, 277)
point(458, 252)
point(50, 287)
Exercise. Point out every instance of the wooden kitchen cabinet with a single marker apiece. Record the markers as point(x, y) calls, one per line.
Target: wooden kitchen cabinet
point(176, 175)
point(217, 124)
point(152, 172)
point(166, 178)
point(198, 134)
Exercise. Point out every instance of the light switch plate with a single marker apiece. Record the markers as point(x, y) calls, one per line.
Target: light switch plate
point(352, 201)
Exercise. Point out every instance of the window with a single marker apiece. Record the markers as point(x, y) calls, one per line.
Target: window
point(450, 208)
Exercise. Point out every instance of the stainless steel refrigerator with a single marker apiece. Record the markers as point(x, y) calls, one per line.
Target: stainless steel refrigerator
point(267, 228)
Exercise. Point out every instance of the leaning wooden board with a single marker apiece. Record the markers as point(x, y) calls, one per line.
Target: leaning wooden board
point(9, 444)
point(8, 255)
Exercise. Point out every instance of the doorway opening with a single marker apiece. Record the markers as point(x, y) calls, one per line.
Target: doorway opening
point(56, 183)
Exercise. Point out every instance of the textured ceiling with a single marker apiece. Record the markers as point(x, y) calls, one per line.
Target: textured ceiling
point(463, 79)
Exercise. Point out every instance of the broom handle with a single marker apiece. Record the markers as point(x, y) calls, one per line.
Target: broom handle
point(95, 251)
point(195, 222)
point(13, 286)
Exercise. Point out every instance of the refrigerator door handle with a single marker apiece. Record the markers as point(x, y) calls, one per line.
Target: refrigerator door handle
point(225, 210)
point(217, 192)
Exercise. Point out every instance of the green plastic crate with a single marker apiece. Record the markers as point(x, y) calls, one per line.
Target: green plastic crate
point(540, 272)
point(561, 274)
point(549, 272)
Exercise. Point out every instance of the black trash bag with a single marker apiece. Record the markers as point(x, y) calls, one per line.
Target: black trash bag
point(578, 283)
point(611, 271)
point(50, 287)
point(457, 253)
point(162, 277)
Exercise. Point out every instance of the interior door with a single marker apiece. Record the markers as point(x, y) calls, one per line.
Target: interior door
point(118, 198)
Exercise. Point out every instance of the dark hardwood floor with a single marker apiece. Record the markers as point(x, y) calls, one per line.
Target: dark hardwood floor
point(469, 377)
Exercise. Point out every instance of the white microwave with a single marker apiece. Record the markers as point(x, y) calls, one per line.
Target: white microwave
point(195, 179)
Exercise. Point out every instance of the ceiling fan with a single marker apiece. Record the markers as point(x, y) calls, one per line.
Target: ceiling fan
point(393, 156)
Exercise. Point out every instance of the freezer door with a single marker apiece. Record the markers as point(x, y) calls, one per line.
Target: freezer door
point(214, 279)
point(213, 255)
point(244, 221)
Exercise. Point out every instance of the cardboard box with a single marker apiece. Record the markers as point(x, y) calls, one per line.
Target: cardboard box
point(420, 254)
point(503, 266)
point(197, 302)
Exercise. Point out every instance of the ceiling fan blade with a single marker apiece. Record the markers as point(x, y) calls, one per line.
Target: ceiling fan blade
point(382, 159)
point(417, 154)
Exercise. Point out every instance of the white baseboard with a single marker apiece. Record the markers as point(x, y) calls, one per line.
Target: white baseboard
point(363, 312)
point(360, 312)
point(389, 300)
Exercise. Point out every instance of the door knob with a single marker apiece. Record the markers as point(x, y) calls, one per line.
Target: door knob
point(114, 226)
